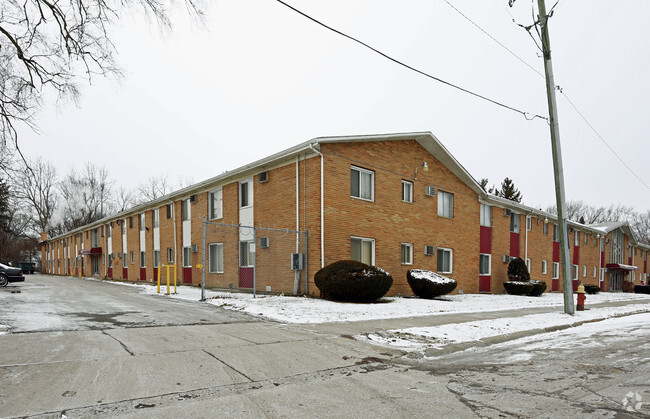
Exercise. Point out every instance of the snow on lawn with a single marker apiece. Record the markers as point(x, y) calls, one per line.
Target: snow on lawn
point(421, 339)
point(314, 310)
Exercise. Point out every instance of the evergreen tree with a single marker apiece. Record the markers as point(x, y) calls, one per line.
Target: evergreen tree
point(508, 191)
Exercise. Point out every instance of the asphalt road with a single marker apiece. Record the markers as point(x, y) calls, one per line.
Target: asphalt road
point(83, 348)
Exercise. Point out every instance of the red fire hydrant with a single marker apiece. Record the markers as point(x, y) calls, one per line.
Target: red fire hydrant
point(581, 298)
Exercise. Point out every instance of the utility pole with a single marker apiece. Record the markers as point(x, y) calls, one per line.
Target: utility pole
point(557, 162)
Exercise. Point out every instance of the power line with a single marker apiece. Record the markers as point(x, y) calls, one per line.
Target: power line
point(527, 28)
point(526, 115)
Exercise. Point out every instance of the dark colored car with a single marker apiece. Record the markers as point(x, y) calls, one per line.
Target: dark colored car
point(10, 274)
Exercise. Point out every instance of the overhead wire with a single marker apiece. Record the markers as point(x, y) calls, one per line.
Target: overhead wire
point(527, 115)
point(558, 88)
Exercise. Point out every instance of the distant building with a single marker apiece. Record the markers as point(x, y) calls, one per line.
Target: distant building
point(398, 201)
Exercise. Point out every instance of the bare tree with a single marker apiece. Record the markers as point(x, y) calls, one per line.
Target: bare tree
point(641, 227)
point(87, 197)
point(52, 45)
point(153, 189)
point(124, 199)
point(36, 186)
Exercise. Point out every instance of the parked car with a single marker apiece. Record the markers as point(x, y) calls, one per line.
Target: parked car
point(10, 274)
point(27, 267)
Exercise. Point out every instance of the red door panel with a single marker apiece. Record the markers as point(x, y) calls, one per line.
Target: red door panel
point(486, 240)
point(110, 273)
point(187, 275)
point(484, 283)
point(246, 276)
point(143, 274)
point(514, 245)
point(555, 285)
point(125, 273)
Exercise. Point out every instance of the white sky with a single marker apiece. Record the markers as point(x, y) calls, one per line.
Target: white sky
point(259, 78)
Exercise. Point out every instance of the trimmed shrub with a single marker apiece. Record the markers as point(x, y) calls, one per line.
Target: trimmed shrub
point(538, 288)
point(642, 289)
point(349, 280)
point(592, 289)
point(518, 271)
point(518, 287)
point(427, 284)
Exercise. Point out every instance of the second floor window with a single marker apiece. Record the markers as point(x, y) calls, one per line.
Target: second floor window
point(445, 204)
point(362, 183)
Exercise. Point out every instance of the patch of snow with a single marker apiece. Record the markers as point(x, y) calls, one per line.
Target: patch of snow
point(430, 276)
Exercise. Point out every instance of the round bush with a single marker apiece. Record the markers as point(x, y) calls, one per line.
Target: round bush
point(538, 288)
point(427, 284)
point(592, 289)
point(349, 280)
point(518, 271)
point(518, 287)
point(642, 289)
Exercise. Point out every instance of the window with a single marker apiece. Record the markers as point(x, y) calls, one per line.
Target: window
point(185, 209)
point(169, 210)
point(216, 258)
point(445, 204)
point(529, 223)
point(574, 274)
point(362, 250)
point(584, 271)
point(216, 204)
point(486, 215)
point(187, 256)
point(576, 238)
point(484, 264)
point(142, 260)
point(407, 254)
point(514, 222)
point(156, 258)
point(595, 271)
point(246, 253)
point(132, 258)
point(124, 227)
point(156, 218)
point(407, 191)
point(125, 261)
point(528, 264)
point(131, 222)
point(445, 260)
point(556, 270)
point(108, 232)
point(586, 241)
point(141, 222)
point(170, 255)
point(362, 183)
point(243, 195)
point(544, 267)
point(556, 233)
point(545, 228)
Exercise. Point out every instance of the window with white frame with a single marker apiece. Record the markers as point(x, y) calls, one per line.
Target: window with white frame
point(574, 274)
point(407, 191)
point(244, 195)
point(586, 240)
point(556, 270)
point(445, 204)
point(486, 215)
point(556, 233)
point(484, 265)
point(545, 228)
point(362, 250)
point(216, 204)
point(187, 256)
point(216, 258)
point(584, 271)
point(125, 260)
point(141, 222)
point(445, 260)
point(246, 254)
point(544, 267)
point(156, 258)
point(576, 238)
point(185, 209)
point(514, 222)
point(156, 218)
point(170, 255)
point(528, 264)
point(142, 260)
point(407, 254)
point(132, 258)
point(595, 271)
point(529, 223)
point(362, 183)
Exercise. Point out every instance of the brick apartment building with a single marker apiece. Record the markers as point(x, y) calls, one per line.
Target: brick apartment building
point(398, 201)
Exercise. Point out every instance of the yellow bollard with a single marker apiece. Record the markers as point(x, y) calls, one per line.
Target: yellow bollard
point(158, 280)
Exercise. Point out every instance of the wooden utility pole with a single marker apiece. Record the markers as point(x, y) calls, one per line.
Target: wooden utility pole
point(557, 163)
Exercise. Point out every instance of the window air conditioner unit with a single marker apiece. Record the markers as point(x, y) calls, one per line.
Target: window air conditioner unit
point(264, 242)
point(507, 212)
point(195, 248)
point(429, 250)
point(263, 177)
point(506, 259)
point(430, 191)
point(192, 199)
point(119, 254)
point(296, 261)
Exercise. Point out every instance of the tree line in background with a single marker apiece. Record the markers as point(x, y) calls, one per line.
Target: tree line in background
point(35, 199)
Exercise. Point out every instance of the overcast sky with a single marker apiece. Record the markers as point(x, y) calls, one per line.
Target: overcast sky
point(258, 78)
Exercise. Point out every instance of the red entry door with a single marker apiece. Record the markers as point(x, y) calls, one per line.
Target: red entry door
point(246, 277)
point(187, 275)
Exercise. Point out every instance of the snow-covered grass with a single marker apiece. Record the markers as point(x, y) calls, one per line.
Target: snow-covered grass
point(290, 309)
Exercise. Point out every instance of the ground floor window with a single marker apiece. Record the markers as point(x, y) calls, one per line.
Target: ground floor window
point(170, 255)
point(556, 270)
point(156, 258)
point(407, 253)
point(246, 254)
point(362, 250)
point(445, 260)
point(574, 274)
point(187, 257)
point(143, 260)
point(216, 258)
point(484, 264)
point(544, 267)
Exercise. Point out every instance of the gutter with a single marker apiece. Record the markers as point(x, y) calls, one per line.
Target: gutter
point(322, 208)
